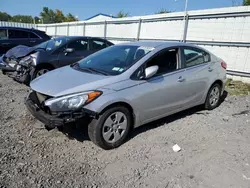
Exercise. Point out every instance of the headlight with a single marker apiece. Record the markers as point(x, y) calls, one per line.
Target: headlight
point(72, 102)
point(26, 61)
point(29, 60)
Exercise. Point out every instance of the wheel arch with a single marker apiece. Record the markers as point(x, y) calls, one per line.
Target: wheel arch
point(45, 65)
point(126, 105)
point(217, 82)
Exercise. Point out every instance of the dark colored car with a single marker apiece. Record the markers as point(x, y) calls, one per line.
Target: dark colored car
point(14, 36)
point(27, 63)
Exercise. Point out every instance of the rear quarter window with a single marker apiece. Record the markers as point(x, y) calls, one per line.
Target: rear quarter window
point(33, 36)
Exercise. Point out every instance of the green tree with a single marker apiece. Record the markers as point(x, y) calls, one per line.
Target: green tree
point(22, 19)
point(37, 20)
point(48, 15)
point(122, 14)
point(59, 16)
point(246, 2)
point(162, 11)
point(4, 16)
point(70, 18)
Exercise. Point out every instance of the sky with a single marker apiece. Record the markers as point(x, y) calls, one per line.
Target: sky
point(86, 8)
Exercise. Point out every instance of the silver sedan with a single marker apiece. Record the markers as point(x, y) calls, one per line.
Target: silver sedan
point(125, 86)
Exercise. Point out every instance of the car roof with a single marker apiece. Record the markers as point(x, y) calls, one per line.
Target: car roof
point(79, 37)
point(21, 28)
point(156, 44)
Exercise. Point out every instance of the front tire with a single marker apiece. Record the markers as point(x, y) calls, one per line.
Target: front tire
point(40, 71)
point(213, 97)
point(111, 129)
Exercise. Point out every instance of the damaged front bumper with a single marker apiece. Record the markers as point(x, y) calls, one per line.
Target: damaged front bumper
point(5, 67)
point(58, 120)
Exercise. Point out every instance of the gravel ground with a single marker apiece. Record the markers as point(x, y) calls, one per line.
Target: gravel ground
point(215, 149)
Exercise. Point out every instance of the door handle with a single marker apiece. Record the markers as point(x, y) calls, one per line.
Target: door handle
point(32, 41)
point(210, 69)
point(181, 79)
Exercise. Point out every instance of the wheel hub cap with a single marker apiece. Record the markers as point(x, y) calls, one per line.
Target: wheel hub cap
point(114, 127)
point(214, 96)
point(41, 72)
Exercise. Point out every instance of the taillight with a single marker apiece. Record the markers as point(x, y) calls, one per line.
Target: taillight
point(224, 65)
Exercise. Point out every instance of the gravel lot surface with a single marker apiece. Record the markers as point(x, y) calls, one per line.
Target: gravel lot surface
point(215, 149)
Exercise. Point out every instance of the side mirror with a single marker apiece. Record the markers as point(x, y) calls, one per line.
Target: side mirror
point(151, 71)
point(68, 50)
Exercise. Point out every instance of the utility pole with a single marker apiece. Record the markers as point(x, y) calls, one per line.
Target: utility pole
point(184, 20)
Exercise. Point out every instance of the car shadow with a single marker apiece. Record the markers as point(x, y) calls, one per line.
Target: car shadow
point(169, 119)
point(79, 131)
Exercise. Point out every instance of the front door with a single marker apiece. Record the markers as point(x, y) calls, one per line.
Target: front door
point(80, 50)
point(162, 94)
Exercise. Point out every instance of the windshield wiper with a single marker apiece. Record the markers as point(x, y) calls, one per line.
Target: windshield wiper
point(97, 71)
point(88, 69)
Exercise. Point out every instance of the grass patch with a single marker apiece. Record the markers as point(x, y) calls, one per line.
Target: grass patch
point(237, 87)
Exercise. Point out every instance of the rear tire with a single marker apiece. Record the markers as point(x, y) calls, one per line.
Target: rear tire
point(111, 129)
point(213, 97)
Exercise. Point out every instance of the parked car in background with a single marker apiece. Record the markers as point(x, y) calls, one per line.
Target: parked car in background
point(14, 36)
point(28, 63)
point(127, 85)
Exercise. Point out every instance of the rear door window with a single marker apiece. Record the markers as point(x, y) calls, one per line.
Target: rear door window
point(79, 45)
point(18, 34)
point(194, 56)
point(3, 34)
point(98, 44)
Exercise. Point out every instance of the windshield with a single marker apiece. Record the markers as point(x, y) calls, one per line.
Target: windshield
point(53, 43)
point(113, 60)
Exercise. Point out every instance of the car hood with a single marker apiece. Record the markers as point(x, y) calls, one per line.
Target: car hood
point(19, 51)
point(66, 80)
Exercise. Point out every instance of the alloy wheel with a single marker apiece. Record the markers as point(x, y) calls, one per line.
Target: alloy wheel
point(114, 127)
point(41, 72)
point(214, 96)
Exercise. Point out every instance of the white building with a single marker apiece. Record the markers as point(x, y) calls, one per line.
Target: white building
point(100, 17)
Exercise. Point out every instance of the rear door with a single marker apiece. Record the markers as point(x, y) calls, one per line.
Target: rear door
point(4, 42)
point(34, 39)
point(196, 64)
point(18, 37)
point(80, 50)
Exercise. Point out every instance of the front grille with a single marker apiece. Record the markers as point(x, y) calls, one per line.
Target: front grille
point(41, 97)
